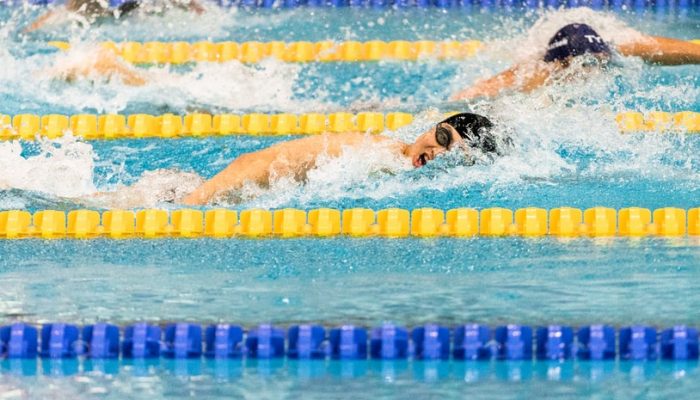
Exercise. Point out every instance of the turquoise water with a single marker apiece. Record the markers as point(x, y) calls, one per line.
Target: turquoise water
point(567, 151)
point(335, 281)
point(321, 380)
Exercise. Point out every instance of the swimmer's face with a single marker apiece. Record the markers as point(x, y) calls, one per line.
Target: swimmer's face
point(432, 143)
point(589, 62)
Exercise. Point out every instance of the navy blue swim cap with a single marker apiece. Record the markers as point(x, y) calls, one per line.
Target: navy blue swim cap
point(574, 40)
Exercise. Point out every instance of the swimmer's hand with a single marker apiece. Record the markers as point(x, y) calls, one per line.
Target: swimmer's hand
point(196, 7)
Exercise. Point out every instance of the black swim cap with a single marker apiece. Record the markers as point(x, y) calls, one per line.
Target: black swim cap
point(128, 6)
point(575, 40)
point(476, 130)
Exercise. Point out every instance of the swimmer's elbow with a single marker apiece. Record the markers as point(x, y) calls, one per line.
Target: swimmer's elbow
point(195, 198)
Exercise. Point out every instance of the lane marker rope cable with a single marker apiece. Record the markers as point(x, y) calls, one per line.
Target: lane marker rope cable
point(659, 6)
point(155, 52)
point(349, 342)
point(254, 52)
point(116, 126)
point(563, 222)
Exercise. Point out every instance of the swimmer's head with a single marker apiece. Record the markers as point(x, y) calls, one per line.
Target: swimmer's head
point(127, 7)
point(89, 8)
point(575, 40)
point(468, 131)
point(98, 8)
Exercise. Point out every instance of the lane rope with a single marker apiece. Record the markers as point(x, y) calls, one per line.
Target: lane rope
point(134, 126)
point(659, 6)
point(254, 52)
point(563, 222)
point(349, 342)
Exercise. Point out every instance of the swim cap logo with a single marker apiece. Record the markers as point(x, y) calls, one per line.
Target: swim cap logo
point(561, 43)
point(592, 38)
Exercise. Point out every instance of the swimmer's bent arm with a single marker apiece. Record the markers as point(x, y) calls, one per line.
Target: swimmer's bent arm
point(252, 167)
point(523, 77)
point(661, 50)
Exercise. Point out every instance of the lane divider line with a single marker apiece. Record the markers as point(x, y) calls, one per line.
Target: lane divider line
point(155, 52)
point(533, 222)
point(349, 342)
point(116, 126)
point(302, 51)
point(659, 6)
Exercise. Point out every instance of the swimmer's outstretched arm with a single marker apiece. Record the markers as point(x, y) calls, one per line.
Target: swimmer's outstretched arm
point(105, 63)
point(109, 64)
point(662, 50)
point(196, 7)
point(44, 19)
point(523, 77)
point(290, 158)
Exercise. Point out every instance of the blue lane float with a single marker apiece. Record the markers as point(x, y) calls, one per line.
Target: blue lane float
point(554, 342)
point(101, 341)
point(265, 341)
point(679, 343)
point(348, 342)
point(638, 343)
point(182, 341)
point(307, 342)
point(654, 5)
point(474, 342)
point(141, 341)
point(431, 342)
point(223, 341)
point(389, 342)
point(513, 342)
point(596, 342)
point(59, 340)
point(19, 341)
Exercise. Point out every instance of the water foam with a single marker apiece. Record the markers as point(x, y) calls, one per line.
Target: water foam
point(61, 168)
point(561, 133)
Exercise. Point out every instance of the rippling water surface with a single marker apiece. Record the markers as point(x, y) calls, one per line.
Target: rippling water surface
point(567, 151)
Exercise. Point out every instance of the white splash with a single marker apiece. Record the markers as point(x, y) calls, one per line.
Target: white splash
point(62, 168)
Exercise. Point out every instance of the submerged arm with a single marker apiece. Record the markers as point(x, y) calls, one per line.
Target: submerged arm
point(196, 7)
point(292, 158)
point(105, 63)
point(661, 50)
point(43, 20)
point(191, 5)
point(521, 77)
point(108, 63)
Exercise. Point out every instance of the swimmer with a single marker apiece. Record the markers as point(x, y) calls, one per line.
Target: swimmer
point(93, 10)
point(574, 41)
point(470, 132)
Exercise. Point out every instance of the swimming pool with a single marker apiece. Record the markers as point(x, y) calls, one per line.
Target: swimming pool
point(567, 152)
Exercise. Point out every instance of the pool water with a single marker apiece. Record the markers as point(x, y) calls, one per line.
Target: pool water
point(567, 152)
